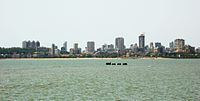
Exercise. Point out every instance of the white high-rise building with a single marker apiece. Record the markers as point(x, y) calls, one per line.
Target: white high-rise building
point(65, 46)
point(24, 44)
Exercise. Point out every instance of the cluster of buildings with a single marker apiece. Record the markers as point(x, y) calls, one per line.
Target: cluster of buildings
point(29, 44)
point(177, 46)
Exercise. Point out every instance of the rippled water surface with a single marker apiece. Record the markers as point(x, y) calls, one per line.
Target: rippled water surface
point(140, 80)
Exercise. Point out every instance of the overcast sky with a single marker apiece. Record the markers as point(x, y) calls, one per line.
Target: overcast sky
point(56, 21)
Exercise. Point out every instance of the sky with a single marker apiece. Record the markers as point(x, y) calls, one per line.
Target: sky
point(79, 21)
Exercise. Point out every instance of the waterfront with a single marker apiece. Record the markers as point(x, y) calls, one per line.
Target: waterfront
point(88, 79)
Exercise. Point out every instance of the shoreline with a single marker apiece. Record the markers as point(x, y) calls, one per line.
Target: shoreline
point(142, 58)
point(94, 58)
point(60, 58)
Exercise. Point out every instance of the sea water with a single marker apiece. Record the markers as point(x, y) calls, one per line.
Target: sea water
point(93, 80)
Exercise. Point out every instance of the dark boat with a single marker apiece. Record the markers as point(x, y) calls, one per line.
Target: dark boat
point(108, 63)
point(113, 63)
point(119, 64)
point(125, 64)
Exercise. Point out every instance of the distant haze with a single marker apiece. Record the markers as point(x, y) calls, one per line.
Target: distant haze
point(57, 21)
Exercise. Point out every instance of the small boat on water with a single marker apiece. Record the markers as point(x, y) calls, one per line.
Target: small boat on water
point(113, 63)
point(119, 64)
point(110, 63)
point(125, 64)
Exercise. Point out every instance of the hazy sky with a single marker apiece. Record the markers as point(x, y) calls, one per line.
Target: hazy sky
point(56, 21)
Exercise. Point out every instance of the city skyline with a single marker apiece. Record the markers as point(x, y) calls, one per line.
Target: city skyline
point(67, 46)
point(101, 21)
point(178, 44)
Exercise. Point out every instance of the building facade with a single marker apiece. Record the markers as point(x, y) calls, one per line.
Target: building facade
point(134, 48)
point(198, 50)
point(90, 46)
point(189, 49)
point(53, 47)
point(75, 50)
point(108, 48)
point(142, 41)
point(179, 45)
point(29, 44)
point(65, 46)
point(54, 50)
point(119, 44)
point(158, 45)
point(151, 48)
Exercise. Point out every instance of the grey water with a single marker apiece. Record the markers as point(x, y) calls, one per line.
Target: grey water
point(69, 80)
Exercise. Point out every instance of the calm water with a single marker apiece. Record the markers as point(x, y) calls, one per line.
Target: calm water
point(141, 80)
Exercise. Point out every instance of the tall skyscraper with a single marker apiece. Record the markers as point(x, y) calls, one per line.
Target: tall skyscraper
point(76, 49)
point(24, 44)
point(119, 44)
point(171, 45)
point(90, 46)
point(33, 44)
point(37, 44)
point(75, 46)
point(29, 44)
point(142, 40)
point(53, 47)
point(65, 46)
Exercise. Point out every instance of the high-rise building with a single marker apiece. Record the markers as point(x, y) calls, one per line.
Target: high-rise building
point(90, 46)
point(171, 45)
point(134, 47)
point(65, 46)
point(151, 45)
point(142, 40)
point(189, 49)
point(24, 44)
point(198, 50)
point(151, 48)
point(111, 47)
point(76, 49)
point(158, 45)
point(53, 47)
point(37, 44)
point(29, 44)
point(54, 50)
point(33, 44)
point(119, 44)
point(179, 45)
point(108, 48)
point(76, 46)
point(104, 47)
